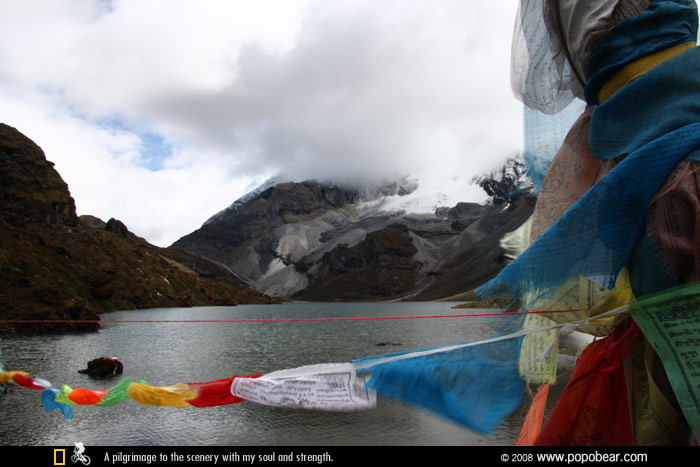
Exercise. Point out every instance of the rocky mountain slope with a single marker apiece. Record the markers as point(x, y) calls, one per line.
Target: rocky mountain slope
point(314, 241)
point(55, 265)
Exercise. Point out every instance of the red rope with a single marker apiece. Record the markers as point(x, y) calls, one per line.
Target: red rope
point(510, 313)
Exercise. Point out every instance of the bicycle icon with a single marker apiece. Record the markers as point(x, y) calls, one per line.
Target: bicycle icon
point(78, 455)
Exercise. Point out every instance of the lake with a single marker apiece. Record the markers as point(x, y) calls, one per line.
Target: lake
point(169, 353)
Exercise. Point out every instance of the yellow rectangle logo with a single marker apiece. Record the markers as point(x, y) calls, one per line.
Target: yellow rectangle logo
point(59, 453)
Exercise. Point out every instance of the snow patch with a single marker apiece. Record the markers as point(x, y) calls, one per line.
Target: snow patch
point(426, 197)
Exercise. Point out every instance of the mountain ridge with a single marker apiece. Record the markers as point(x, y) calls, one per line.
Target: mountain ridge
point(56, 266)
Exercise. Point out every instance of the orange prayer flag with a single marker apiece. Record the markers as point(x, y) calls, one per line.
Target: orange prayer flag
point(533, 421)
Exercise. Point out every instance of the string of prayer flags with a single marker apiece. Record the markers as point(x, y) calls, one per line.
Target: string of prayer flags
point(103, 398)
point(476, 384)
point(48, 392)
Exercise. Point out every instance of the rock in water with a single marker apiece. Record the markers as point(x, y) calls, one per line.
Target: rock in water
point(103, 367)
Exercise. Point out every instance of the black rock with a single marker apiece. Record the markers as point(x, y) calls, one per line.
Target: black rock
point(103, 367)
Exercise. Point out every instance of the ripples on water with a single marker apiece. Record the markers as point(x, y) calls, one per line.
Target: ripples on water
point(168, 353)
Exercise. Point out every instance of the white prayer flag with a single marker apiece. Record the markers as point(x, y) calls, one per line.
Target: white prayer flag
point(330, 387)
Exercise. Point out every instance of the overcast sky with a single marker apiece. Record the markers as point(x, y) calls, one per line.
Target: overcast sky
point(162, 112)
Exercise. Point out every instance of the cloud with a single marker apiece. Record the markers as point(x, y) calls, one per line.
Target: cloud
point(161, 113)
point(365, 89)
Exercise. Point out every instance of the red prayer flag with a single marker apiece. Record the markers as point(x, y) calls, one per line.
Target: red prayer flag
point(593, 411)
point(216, 392)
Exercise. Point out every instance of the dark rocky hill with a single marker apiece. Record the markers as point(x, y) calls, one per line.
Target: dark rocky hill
point(55, 265)
point(379, 267)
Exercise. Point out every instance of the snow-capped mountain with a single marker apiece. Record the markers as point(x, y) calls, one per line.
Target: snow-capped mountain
point(399, 239)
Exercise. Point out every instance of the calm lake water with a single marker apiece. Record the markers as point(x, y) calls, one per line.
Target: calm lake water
point(169, 353)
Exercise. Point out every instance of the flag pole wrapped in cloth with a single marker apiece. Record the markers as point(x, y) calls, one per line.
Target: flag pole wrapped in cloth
point(618, 215)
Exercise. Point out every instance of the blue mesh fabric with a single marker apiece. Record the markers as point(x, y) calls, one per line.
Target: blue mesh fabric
point(543, 136)
point(596, 236)
point(664, 99)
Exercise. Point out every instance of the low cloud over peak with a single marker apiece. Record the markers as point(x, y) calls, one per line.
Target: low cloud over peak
point(211, 98)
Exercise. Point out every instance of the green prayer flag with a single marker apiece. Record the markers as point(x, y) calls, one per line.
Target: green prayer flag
point(670, 320)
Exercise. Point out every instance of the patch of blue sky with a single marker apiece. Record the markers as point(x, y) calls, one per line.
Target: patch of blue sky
point(154, 149)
